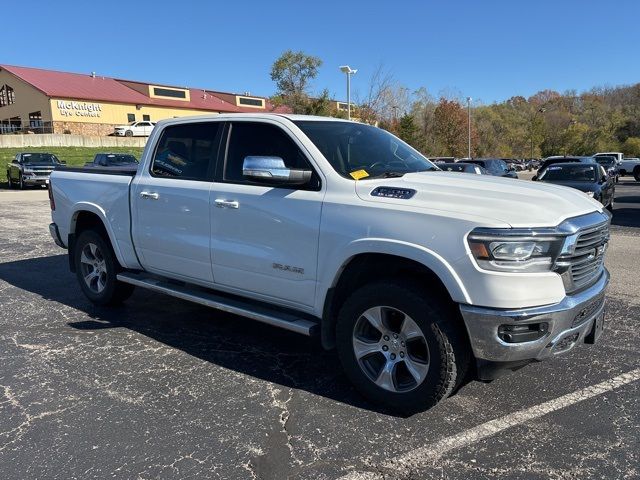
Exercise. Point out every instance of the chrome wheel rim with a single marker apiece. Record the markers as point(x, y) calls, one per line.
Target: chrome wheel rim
point(391, 349)
point(93, 267)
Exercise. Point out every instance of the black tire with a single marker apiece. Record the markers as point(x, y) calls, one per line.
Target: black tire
point(636, 173)
point(128, 133)
point(113, 291)
point(447, 355)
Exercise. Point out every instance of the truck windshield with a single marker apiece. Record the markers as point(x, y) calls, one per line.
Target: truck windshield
point(40, 158)
point(358, 151)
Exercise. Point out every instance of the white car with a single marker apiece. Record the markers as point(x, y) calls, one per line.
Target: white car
point(418, 277)
point(134, 129)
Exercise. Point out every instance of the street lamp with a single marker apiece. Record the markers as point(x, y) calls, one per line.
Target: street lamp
point(533, 119)
point(349, 71)
point(469, 121)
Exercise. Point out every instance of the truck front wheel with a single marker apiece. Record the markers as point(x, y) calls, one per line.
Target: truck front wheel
point(636, 173)
point(399, 346)
point(97, 268)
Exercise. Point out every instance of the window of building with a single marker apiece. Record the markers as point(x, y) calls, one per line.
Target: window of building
point(35, 119)
point(251, 102)
point(3, 96)
point(169, 92)
point(188, 151)
point(11, 96)
point(262, 140)
point(146, 118)
point(131, 117)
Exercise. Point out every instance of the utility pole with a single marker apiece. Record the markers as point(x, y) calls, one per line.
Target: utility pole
point(533, 119)
point(469, 126)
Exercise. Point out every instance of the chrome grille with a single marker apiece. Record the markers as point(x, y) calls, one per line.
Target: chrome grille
point(585, 264)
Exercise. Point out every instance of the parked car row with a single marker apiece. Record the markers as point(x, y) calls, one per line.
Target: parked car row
point(34, 169)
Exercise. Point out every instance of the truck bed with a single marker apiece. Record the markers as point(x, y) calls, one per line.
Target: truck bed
point(105, 192)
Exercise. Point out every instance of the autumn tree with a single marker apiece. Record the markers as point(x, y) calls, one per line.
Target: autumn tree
point(451, 128)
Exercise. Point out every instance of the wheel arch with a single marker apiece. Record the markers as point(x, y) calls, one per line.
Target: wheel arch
point(420, 265)
point(90, 216)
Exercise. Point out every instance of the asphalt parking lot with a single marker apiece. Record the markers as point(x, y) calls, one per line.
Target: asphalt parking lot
point(161, 388)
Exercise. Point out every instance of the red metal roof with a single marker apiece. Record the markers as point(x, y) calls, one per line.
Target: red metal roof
point(86, 87)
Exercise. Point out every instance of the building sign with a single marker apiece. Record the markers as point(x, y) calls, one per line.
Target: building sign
point(79, 109)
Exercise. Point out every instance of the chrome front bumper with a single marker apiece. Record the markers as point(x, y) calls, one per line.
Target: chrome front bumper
point(568, 323)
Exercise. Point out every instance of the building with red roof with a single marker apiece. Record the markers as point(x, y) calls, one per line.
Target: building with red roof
point(37, 100)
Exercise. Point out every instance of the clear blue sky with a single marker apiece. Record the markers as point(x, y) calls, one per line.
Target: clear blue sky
point(490, 50)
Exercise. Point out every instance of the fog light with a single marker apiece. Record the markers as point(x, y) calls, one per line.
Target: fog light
point(522, 333)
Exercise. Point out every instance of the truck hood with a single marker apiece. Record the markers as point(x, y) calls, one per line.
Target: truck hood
point(518, 203)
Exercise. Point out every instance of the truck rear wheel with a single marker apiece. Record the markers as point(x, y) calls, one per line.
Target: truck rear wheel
point(399, 347)
point(97, 268)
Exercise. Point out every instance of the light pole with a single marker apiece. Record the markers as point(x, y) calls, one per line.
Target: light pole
point(469, 126)
point(533, 119)
point(349, 71)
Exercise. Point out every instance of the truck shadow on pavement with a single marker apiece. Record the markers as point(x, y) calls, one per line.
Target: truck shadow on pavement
point(229, 341)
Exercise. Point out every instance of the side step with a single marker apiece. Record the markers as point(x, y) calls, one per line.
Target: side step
point(235, 305)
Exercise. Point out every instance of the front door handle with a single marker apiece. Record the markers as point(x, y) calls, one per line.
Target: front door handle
point(152, 196)
point(222, 203)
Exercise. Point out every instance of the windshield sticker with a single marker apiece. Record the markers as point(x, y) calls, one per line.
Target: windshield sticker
point(358, 174)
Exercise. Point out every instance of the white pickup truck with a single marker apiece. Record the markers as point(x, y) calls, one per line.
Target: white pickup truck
point(419, 278)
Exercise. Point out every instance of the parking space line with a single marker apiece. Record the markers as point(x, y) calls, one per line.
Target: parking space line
point(424, 456)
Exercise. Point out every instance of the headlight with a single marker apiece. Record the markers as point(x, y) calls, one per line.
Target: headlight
point(514, 250)
point(590, 194)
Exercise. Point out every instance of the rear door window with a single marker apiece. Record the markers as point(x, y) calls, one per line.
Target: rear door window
point(187, 151)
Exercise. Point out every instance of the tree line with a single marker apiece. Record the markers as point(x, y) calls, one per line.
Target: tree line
point(547, 123)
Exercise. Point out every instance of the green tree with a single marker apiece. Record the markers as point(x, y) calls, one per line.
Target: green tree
point(631, 147)
point(408, 130)
point(293, 73)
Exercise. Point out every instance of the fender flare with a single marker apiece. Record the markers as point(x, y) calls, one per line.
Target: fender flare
point(101, 214)
point(418, 253)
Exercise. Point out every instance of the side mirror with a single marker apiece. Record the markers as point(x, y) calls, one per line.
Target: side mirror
point(272, 171)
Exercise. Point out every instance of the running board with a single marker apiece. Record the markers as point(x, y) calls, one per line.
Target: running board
point(237, 306)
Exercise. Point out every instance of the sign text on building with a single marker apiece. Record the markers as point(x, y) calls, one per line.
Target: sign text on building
point(80, 109)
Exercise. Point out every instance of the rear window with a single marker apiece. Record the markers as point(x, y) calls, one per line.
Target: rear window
point(570, 173)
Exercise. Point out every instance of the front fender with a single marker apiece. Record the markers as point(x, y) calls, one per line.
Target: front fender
point(418, 253)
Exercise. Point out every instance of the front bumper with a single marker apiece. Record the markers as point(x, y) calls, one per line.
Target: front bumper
point(35, 180)
point(568, 323)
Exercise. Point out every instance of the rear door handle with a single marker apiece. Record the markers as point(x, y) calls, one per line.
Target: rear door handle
point(222, 203)
point(152, 196)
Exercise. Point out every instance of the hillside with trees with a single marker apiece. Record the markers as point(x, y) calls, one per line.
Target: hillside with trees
point(547, 123)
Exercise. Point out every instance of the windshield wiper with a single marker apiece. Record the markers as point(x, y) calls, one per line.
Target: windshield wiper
point(388, 175)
